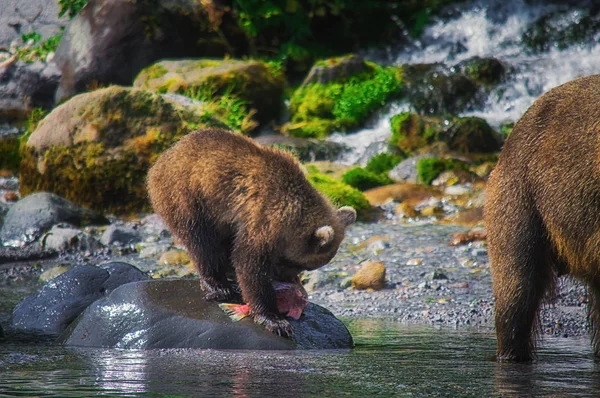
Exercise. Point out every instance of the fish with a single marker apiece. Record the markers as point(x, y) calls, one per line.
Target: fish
point(292, 299)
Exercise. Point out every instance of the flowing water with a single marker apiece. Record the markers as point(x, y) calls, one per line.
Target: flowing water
point(488, 29)
point(390, 359)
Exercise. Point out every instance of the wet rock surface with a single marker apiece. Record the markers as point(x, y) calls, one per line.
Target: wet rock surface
point(61, 300)
point(173, 314)
point(29, 218)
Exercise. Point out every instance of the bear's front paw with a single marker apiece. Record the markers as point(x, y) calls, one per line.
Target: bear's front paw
point(275, 324)
point(222, 294)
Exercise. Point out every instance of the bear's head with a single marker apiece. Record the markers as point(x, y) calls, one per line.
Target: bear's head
point(312, 244)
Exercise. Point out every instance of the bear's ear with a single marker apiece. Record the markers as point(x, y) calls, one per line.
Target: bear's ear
point(347, 214)
point(324, 235)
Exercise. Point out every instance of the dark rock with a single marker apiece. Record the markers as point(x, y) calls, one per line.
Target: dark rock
point(35, 214)
point(471, 134)
point(24, 16)
point(335, 69)
point(120, 235)
point(24, 86)
point(110, 41)
point(173, 314)
point(487, 71)
point(34, 251)
point(307, 150)
point(63, 298)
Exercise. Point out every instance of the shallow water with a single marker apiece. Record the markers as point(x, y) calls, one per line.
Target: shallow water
point(389, 359)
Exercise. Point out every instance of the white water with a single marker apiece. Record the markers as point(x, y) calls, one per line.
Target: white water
point(489, 29)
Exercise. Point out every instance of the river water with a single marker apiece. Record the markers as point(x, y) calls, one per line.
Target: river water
point(390, 359)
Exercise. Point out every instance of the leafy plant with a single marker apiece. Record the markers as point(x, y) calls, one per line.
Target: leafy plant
point(363, 179)
point(72, 7)
point(39, 49)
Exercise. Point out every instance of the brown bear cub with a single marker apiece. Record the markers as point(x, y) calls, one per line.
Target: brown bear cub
point(543, 212)
point(246, 210)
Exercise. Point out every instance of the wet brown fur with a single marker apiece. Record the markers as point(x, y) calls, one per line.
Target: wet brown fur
point(543, 213)
point(242, 208)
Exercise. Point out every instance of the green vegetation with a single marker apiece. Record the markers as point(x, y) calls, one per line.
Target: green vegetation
point(72, 7)
point(339, 193)
point(364, 179)
point(411, 131)
point(429, 168)
point(9, 153)
point(319, 109)
point(383, 162)
point(39, 50)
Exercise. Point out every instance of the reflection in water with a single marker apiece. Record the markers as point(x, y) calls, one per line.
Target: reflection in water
point(390, 359)
point(125, 374)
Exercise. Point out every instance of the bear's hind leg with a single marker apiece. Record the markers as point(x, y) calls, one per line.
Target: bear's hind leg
point(211, 258)
point(594, 315)
point(522, 273)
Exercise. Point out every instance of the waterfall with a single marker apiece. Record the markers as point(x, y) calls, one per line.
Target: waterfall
point(489, 29)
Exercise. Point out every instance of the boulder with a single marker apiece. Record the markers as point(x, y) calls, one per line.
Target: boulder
point(96, 148)
point(25, 86)
point(24, 16)
point(335, 69)
point(35, 214)
point(307, 150)
point(406, 171)
point(252, 81)
point(173, 314)
point(63, 238)
point(119, 235)
point(471, 134)
point(61, 300)
point(110, 41)
point(371, 275)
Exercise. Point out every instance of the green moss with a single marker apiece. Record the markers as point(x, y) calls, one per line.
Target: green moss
point(429, 168)
point(9, 153)
point(411, 131)
point(231, 111)
point(341, 105)
point(155, 71)
point(363, 179)
point(383, 162)
point(339, 193)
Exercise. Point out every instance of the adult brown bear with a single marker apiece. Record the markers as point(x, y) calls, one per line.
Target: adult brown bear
point(245, 209)
point(543, 212)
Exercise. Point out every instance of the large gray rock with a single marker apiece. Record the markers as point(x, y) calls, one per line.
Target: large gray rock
point(406, 171)
point(35, 214)
point(24, 86)
point(62, 299)
point(110, 41)
point(173, 314)
point(120, 235)
point(24, 16)
point(307, 150)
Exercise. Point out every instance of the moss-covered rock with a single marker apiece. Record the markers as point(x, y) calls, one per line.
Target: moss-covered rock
point(339, 193)
point(335, 69)
point(363, 179)
point(255, 82)
point(319, 109)
point(471, 134)
point(411, 131)
point(95, 149)
point(429, 168)
point(487, 71)
point(383, 162)
point(9, 153)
